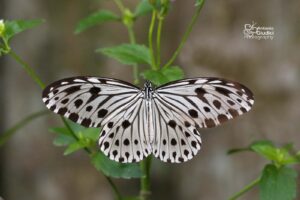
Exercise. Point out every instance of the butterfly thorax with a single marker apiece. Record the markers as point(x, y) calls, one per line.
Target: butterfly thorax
point(148, 90)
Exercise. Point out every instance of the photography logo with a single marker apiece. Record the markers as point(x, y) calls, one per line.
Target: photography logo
point(251, 31)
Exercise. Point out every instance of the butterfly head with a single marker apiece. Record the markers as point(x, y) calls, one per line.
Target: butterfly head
point(148, 84)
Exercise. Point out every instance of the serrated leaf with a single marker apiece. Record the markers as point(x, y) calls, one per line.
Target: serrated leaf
point(74, 147)
point(63, 140)
point(278, 183)
point(164, 75)
point(17, 26)
point(115, 169)
point(96, 18)
point(265, 148)
point(128, 53)
point(143, 8)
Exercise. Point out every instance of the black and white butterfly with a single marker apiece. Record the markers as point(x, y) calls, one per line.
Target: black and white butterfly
point(163, 121)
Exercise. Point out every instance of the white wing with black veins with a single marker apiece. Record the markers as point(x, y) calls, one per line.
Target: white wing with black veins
point(182, 107)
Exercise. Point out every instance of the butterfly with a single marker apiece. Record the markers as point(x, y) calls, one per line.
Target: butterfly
point(163, 121)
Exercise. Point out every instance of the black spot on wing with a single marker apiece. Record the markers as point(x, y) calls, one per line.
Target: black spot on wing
point(110, 124)
point(72, 89)
point(62, 111)
point(126, 142)
point(78, 103)
point(217, 104)
point(74, 117)
point(172, 123)
point(65, 101)
point(200, 94)
point(102, 113)
point(86, 122)
point(193, 113)
point(223, 91)
point(89, 108)
point(173, 142)
point(125, 124)
point(95, 90)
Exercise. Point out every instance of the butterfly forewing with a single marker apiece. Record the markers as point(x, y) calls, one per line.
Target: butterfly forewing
point(208, 102)
point(89, 100)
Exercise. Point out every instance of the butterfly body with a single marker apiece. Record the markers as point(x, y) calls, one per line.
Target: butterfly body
point(163, 121)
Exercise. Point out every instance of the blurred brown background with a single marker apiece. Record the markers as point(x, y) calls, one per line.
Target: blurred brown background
point(33, 169)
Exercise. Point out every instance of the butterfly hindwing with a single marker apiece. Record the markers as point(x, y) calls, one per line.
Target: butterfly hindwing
point(123, 138)
point(176, 140)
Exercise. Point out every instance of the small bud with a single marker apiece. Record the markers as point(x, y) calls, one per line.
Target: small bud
point(2, 27)
point(128, 17)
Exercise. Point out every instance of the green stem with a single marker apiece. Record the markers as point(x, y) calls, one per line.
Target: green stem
point(185, 36)
point(113, 186)
point(115, 189)
point(245, 189)
point(150, 39)
point(158, 40)
point(120, 5)
point(145, 179)
point(135, 67)
point(27, 68)
point(8, 133)
point(35, 77)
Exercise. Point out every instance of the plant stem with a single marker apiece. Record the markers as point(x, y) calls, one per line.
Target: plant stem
point(135, 67)
point(111, 183)
point(120, 5)
point(185, 36)
point(8, 133)
point(245, 189)
point(115, 189)
point(158, 40)
point(145, 179)
point(150, 39)
point(35, 77)
point(27, 68)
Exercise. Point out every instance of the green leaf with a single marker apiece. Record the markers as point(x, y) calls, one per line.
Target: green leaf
point(17, 26)
point(155, 77)
point(163, 75)
point(91, 133)
point(74, 147)
point(278, 183)
point(264, 148)
point(143, 8)
point(87, 137)
point(60, 130)
point(96, 18)
point(115, 169)
point(172, 73)
point(63, 140)
point(128, 54)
